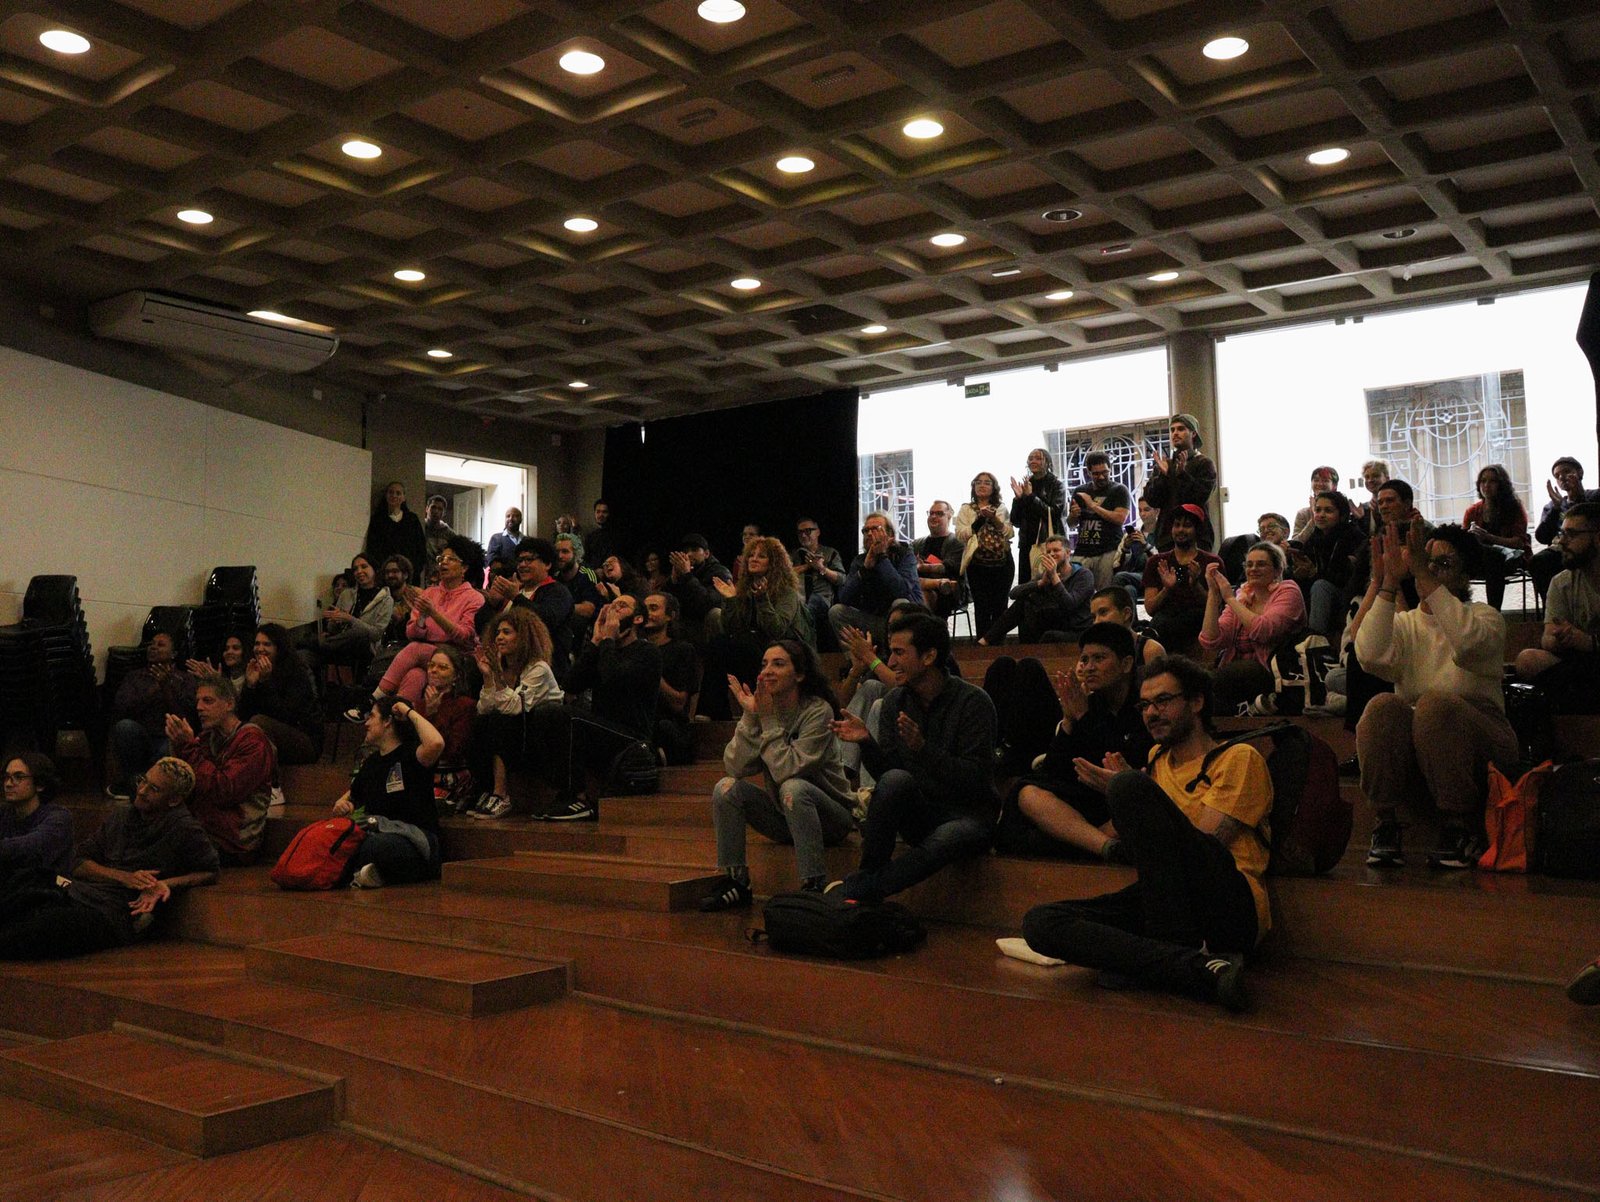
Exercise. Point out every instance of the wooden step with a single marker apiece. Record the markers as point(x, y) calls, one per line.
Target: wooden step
point(176, 1096)
point(637, 886)
point(428, 976)
point(319, 784)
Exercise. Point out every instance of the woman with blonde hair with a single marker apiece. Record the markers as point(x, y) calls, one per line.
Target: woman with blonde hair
point(766, 605)
point(517, 677)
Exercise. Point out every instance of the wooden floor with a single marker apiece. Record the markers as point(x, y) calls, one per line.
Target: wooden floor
point(554, 1019)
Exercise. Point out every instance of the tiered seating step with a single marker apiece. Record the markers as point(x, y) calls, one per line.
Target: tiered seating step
point(183, 1098)
point(429, 976)
point(619, 882)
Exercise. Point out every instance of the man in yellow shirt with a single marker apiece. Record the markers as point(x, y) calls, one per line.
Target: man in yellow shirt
point(1198, 837)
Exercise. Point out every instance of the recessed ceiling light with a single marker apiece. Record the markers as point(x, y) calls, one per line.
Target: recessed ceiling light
point(744, 283)
point(581, 225)
point(1117, 248)
point(1328, 157)
point(440, 353)
point(1062, 214)
point(578, 384)
point(720, 12)
point(1005, 271)
point(874, 329)
point(948, 239)
point(1163, 277)
point(1396, 235)
point(358, 149)
point(63, 41)
point(1225, 48)
point(271, 315)
point(410, 275)
point(1064, 294)
point(795, 164)
point(922, 127)
point(582, 62)
point(195, 216)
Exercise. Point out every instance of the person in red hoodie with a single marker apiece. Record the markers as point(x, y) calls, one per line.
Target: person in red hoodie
point(234, 766)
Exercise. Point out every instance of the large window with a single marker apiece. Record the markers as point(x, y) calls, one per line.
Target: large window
point(1131, 448)
point(888, 485)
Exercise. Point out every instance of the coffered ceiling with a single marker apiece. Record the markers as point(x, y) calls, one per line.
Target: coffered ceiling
point(1471, 128)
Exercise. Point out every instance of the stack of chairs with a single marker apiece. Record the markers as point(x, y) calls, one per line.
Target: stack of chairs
point(176, 620)
point(232, 605)
point(47, 681)
point(27, 718)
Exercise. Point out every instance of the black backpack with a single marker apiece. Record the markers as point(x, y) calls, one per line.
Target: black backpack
point(636, 770)
point(1568, 841)
point(826, 924)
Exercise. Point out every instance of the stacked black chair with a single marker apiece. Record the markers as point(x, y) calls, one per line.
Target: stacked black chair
point(27, 714)
point(62, 683)
point(232, 605)
point(174, 620)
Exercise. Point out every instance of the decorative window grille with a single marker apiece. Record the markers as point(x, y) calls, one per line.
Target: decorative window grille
point(888, 483)
point(1129, 447)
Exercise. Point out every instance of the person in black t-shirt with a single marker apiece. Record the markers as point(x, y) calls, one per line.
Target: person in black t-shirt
point(680, 679)
point(394, 790)
point(1099, 509)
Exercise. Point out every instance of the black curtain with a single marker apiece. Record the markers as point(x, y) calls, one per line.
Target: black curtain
point(1589, 339)
point(710, 473)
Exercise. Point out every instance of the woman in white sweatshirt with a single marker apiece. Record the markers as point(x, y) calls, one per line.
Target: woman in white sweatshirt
point(515, 662)
point(803, 797)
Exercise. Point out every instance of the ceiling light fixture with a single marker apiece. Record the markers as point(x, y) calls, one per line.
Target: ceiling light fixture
point(1062, 214)
point(1005, 271)
point(720, 12)
point(1225, 48)
point(1163, 277)
point(1117, 248)
point(356, 148)
point(874, 329)
point(922, 127)
point(582, 62)
point(1328, 157)
point(1396, 235)
point(948, 239)
point(64, 41)
point(195, 216)
point(1064, 294)
point(410, 275)
point(744, 283)
point(578, 384)
point(441, 353)
point(795, 164)
point(581, 225)
point(272, 315)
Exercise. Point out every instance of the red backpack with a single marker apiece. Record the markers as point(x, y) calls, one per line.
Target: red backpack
point(318, 855)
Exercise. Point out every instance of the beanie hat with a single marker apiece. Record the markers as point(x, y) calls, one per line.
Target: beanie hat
point(1193, 423)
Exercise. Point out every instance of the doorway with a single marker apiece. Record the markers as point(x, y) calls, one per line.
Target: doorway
point(478, 492)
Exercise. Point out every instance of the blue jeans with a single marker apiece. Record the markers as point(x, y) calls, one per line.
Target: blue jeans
point(135, 750)
point(397, 858)
point(1325, 606)
point(938, 835)
point(801, 814)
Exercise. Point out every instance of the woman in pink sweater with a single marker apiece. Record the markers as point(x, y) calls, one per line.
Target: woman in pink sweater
point(440, 614)
point(1244, 628)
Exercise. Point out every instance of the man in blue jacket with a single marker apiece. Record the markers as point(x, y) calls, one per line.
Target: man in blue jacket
point(885, 572)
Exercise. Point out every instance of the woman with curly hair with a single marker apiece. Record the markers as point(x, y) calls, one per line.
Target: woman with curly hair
point(766, 604)
point(517, 677)
point(1500, 524)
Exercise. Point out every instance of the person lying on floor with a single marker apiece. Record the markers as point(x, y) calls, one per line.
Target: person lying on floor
point(1197, 837)
point(393, 789)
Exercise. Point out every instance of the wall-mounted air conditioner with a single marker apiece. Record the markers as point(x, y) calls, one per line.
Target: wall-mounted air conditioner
point(178, 324)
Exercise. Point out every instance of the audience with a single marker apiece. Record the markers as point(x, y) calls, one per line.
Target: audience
point(353, 627)
point(1038, 508)
point(448, 704)
point(616, 576)
point(1133, 552)
point(233, 766)
point(534, 588)
point(394, 530)
point(1244, 629)
point(1445, 722)
point(655, 575)
point(1323, 562)
point(1374, 474)
point(1500, 524)
point(438, 534)
point(441, 613)
point(932, 758)
point(984, 526)
point(1115, 605)
point(393, 789)
point(142, 854)
point(821, 571)
point(939, 561)
point(1053, 606)
point(517, 679)
point(1183, 480)
point(280, 697)
point(1195, 834)
point(601, 542)
point(1057, 808)
point(1566, 491)
point(694, 569)
point(785, 735)
point(1175, 581)
point(138, 732)
point(1099, 510)
point(763, 608)
point(1565, 663)
point(35, 832)
point(580, 581)
point(884, 572)
point(397, 574)
point(680, 679)
point(503, 543)
point(1323, 480)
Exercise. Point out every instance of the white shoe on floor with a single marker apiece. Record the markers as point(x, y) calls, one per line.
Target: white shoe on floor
point(367, 877)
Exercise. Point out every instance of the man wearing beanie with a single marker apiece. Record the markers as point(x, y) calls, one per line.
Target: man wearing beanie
point(1187, 478)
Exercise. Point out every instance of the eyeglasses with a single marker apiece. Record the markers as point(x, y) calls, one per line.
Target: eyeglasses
point(809, 530)
point(1159, 701)
point(871, 529)
point(13, 778)
point(143, 781)
point(448, 558)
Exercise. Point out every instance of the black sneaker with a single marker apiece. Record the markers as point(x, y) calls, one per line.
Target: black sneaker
point(1457, 849)
point(733, 895)
point(1384, 850)
point(576, 810)
point(1228, 979)
point(1350, 767)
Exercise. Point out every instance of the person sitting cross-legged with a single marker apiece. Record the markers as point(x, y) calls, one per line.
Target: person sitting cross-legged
point(1445, 722)
point(784, 734)
point(393, 789)
point(137, 735)
point(1197, 837)
point(1059, 807)
point(34, 830)
point(233, 766)
point(1567, 660)
point(931, 757)
point(1053, 606)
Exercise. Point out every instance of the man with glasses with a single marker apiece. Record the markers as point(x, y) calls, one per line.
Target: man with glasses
point(884, 572)
point(1565, 491)
point(1445, 722)
point(1567, 660)
point(821, 571)
point(939, 561)
point(534, 588)
point(34, 831)
point(1196, 834)
point(141, 855)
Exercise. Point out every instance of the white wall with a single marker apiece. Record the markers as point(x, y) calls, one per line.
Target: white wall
point(140, 494)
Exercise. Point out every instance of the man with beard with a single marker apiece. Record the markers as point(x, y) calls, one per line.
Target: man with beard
point(680, 679)
point(884, 572)
point(503, 543)
point(1445, 722)
point(820, 571)
point(578, 580)
point(1564, 493)
point(939, 561)
point(1185, 478)
point(1099, 509)
point(1175, 580)
point(1196, 833)
point(1566, 661)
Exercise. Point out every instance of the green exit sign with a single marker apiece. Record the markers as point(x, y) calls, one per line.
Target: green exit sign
point(977, 390)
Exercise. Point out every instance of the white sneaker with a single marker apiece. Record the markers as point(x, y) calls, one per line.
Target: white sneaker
point(367, 877)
